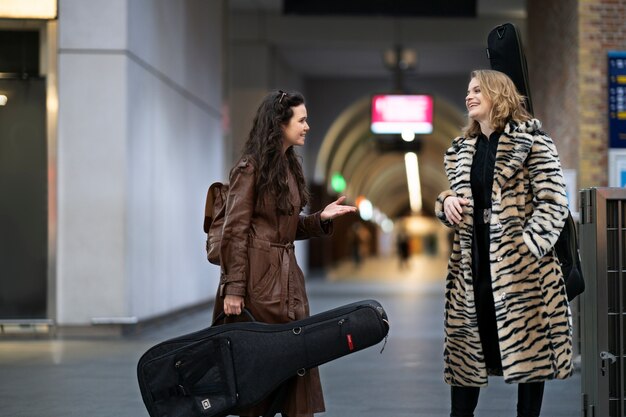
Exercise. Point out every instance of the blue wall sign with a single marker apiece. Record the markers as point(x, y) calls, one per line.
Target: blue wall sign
point(617, 99)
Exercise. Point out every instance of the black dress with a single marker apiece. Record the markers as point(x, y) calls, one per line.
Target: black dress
point(482, 181)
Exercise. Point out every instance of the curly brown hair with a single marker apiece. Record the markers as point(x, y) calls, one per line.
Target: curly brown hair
point(265, 146)
point(506, 102)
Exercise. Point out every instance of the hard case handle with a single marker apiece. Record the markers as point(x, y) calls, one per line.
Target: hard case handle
point(222, 316)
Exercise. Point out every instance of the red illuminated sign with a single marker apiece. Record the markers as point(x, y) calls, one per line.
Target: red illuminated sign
point(393, 113)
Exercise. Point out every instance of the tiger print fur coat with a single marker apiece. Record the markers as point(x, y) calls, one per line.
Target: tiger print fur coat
point(529, 207)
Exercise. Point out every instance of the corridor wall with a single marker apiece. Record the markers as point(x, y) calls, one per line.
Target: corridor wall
point(140, 139)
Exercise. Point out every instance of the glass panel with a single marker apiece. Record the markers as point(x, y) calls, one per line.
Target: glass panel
point(23, 199)
point(612, 250)
point(622, 234)
point(623, 277)
point(612, 333)
point(613, 292)
point(614, 377)
point(614, 408)
point(622, 337)
point(612, 214)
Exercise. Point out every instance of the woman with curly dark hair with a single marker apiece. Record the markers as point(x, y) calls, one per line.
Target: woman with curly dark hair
point(263, 218)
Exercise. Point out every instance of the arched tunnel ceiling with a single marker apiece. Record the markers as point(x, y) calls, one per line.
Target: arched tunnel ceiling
point(350, 148)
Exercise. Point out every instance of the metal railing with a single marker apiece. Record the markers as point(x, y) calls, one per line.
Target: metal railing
point(603, 304)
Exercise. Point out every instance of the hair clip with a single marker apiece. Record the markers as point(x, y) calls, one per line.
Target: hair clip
point(282, 94)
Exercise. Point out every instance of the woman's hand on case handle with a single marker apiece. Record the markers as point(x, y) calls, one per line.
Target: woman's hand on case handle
point(233, 305)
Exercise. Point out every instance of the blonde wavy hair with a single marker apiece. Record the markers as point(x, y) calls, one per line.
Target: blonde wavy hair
point(506, 102)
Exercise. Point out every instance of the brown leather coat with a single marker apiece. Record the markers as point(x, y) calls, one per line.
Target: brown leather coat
point(259, 263)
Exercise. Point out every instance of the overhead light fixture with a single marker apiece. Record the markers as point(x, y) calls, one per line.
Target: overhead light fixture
point(28, 9)
point(366, 210)
point(400, 58)
point(413, 179)
point(3, 100)
point(408, 136)
point(387, 226)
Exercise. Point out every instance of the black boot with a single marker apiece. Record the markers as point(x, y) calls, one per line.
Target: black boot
point(529, 399)
point(464, 401)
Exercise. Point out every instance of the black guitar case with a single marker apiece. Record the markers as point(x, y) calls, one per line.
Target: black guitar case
point(506, 54)
point(222, 369)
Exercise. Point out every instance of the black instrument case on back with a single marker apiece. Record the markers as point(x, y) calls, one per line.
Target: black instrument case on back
point(506, 54)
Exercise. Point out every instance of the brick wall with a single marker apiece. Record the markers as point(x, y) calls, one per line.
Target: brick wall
point(602, 27)
point(568, 41)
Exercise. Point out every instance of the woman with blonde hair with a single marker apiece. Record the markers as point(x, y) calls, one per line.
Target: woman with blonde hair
point(506, 310)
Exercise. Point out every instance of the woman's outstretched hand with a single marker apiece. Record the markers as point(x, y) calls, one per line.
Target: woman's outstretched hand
point(336, 209)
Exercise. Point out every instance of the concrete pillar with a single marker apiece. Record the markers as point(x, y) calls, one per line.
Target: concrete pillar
point(140, 140)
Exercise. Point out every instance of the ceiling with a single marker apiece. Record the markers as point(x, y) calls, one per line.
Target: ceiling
point(339, 46)
point(506, 8)
point(353, 46)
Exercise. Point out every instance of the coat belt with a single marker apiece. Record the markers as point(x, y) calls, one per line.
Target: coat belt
point(287, 250)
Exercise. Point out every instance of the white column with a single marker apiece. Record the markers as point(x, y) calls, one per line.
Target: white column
point(140, 140)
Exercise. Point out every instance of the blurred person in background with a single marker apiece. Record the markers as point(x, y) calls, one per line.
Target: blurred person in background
point(402, 245)
point(360, 240)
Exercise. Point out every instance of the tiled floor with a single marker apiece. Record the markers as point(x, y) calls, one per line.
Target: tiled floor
point(96, 378)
